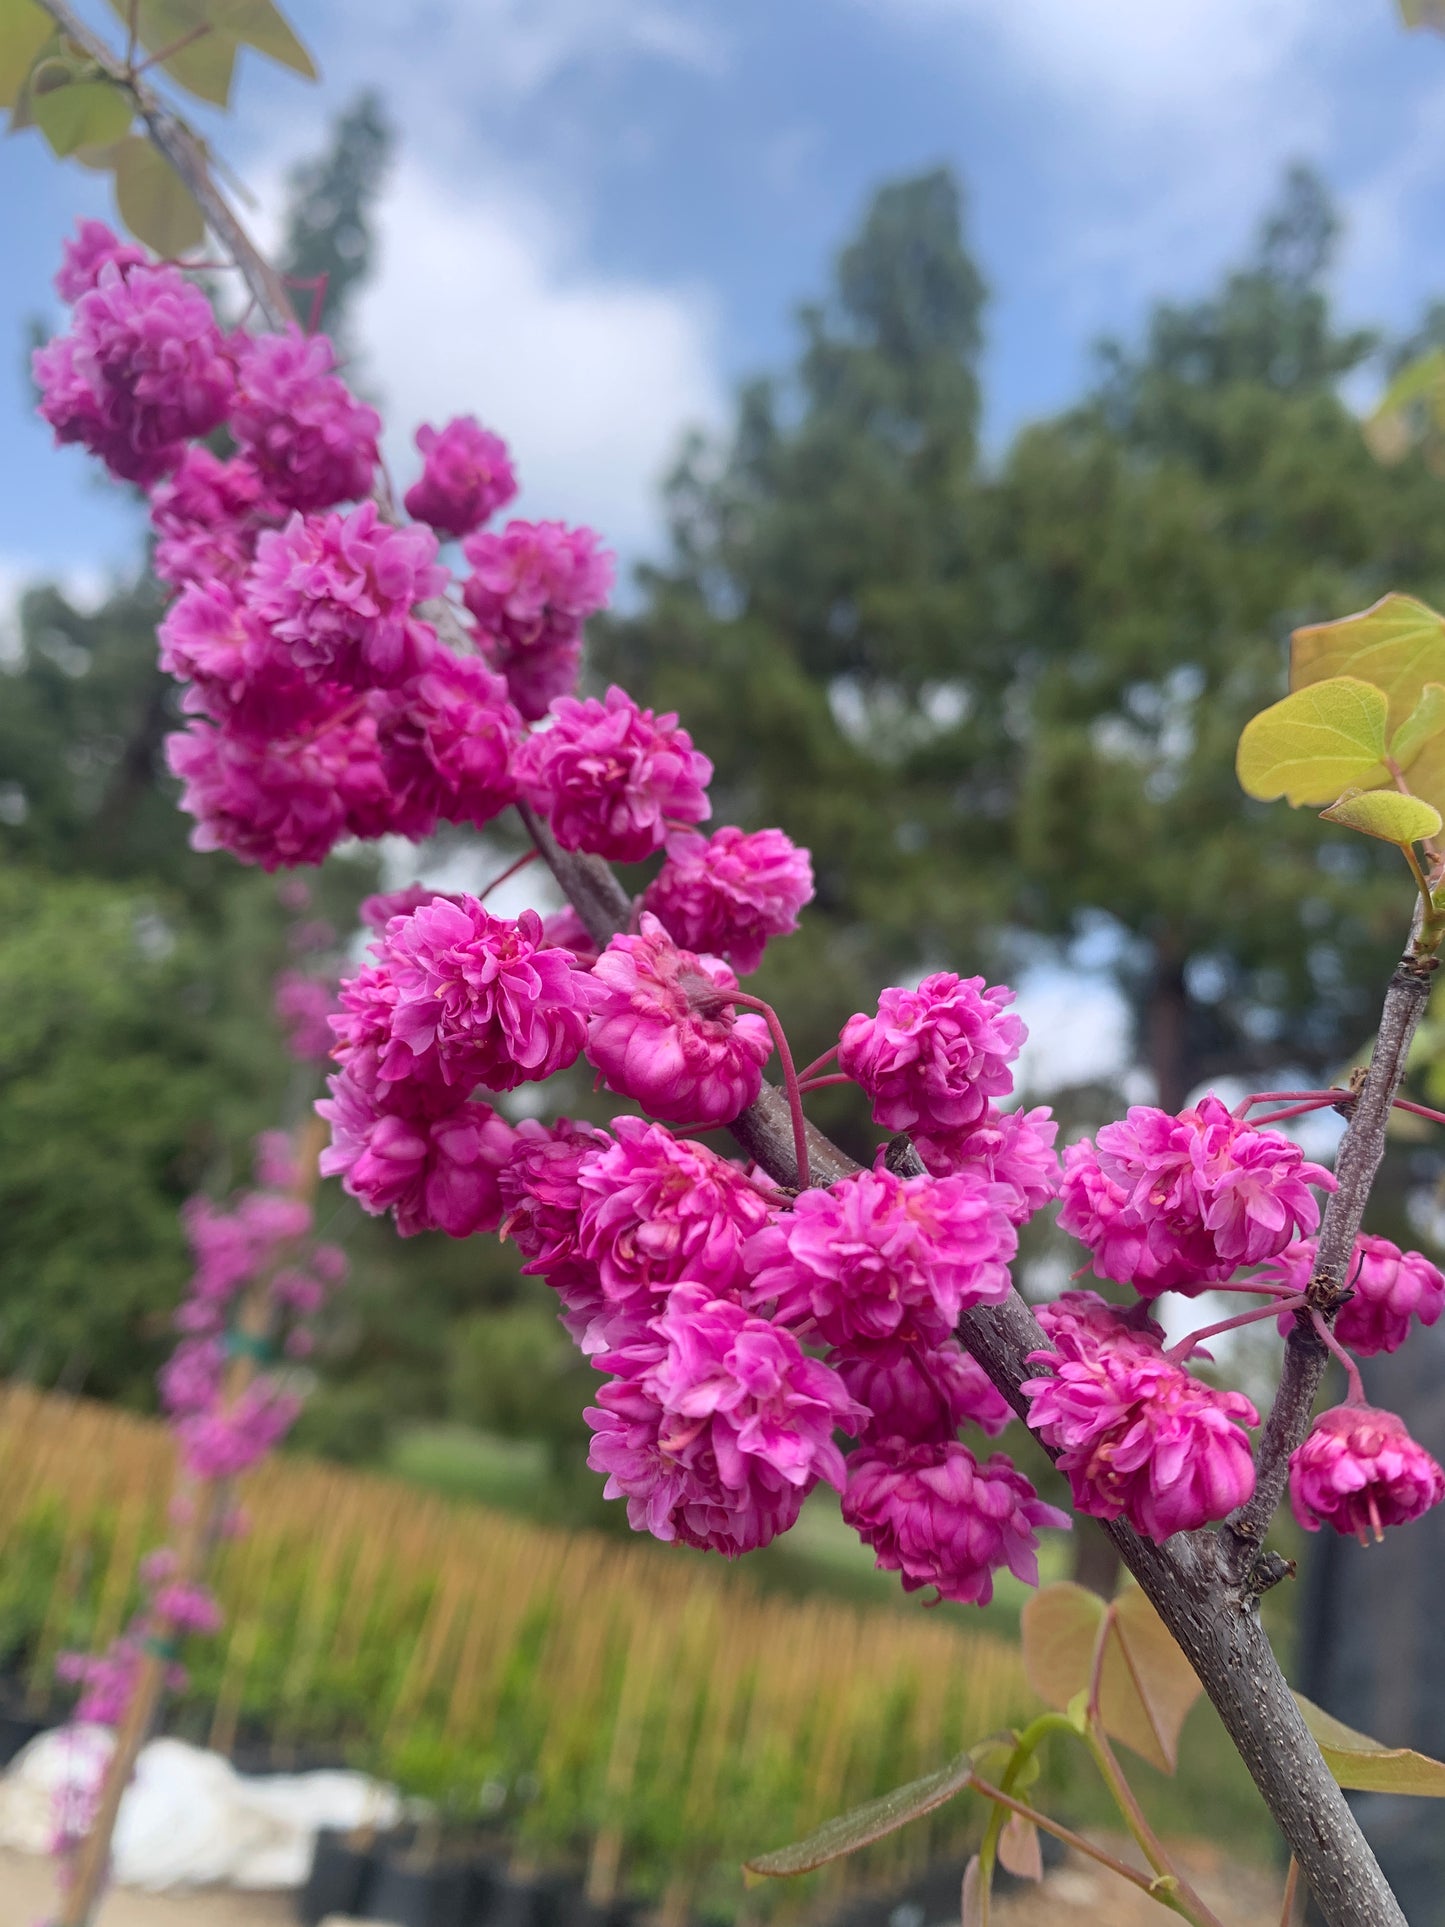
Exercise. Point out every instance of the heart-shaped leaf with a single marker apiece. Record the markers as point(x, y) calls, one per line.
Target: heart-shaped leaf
point(1386, 814)
point(86, 113)
point(1146, 1686)
point(200, 39)
point(1357, 1761)
point(1424, 723)
point(1398, 644)
point(1315, 743)
point(24, 30)
point(154, 201)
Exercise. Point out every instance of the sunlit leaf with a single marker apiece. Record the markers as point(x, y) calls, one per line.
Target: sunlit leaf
point(1315, 742)
point(1018, 1848)
point(1390, 430)
point(154, 201)
point(1398, 644)
point(24, 30)
point(86, 113)
point(872, 1821)
point(1424, 723)
point(1357, 1761)
point(259, 24)
point(200, 39)
point(1386, 814)
point(1146, 1686)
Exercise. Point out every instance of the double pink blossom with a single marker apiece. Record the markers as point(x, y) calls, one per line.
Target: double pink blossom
point(83, 255)
point(931, 1058)
point(663, 1031)
point(717, 1427)
point(531, 589)
point(1010, 1148)
point(937, 1516)
point(728, 893)
point(1177, 1203)
point(878, 1256)
point(433, 1172)
point(303, 431)
point(1360, 1471)
point(918, 1392)
point(612, 778)
point(206, 515)
point(447, 742)
point(466, 477)
point(1136, 1433)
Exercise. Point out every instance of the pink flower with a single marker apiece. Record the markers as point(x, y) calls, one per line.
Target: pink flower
point(918, 1392)
point(206, 516)
point(303, 1005)
point(377, 912)
point(933, 1057)
point(447, 741)
point(536, 581)
point(1138, 1435)
point(728, 893)
point(716, 1430)
point(936, 1515)
point(190, 1379)
point(243, 677)
point(1390, 1288)
point(109, 1680)
point(541, 1186)
point(311, 440)
point(612, 778)
point(338, 591)
point(222, 1444)
point(1176, 1203)
point(83, 257)
point(279, 804)
point(187, 1608)
point(877, 1257)
point(1012, 1148)
point(536, 677)
point(143, 371)
point(1076, 1320)
point(433, 1173)
point(565, 930)
point(466, 476)
point(663, 1032)
point(1360, 1471)
point(480, 998)
point(658, 1210)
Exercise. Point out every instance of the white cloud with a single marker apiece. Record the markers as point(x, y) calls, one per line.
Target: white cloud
point(1078, 1029)
point(480, 307)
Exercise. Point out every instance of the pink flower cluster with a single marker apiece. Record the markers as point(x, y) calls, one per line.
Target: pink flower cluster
point(728, 893)
point(1360, 1471)
point(1178, 1203)
point(1137, 1435)
point(466, 477)
point(303, 1005)
point(932, 1058)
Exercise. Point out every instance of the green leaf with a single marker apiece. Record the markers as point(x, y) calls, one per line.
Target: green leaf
point(260, 25)
point(1386, 814)
point(86, 113)
point(1315, 743)
point(206, 35)
point(1146, 1686)
point(1398, 644)
point(872, 1821)
point(154, 201)
point(1424, 722)
point(1389, 431)
point(1357, 1761)
point(24, 30)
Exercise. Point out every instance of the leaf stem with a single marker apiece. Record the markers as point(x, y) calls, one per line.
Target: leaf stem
point(1069, 1837)
point(1185, 1901)
point(790, 1078)
point(1333, 1345)
point(1177, 1354)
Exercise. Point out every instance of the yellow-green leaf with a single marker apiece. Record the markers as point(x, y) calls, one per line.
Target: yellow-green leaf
point(1315, 742)
point(1146, 1686)
point(1422, 13)
point(206, 35)
point(260, 25)
point(870, 1822)
point(84, 113)
point(1357, 1761)
point(205, 67)
point(24, 30)
point(1423, 724)
point(1386, 814)
point(154, 201)
point(1391, 429)
point(1398, 644)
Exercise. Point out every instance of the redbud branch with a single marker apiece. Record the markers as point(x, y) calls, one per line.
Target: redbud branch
point(1352, 1370)
point(1178, 1353)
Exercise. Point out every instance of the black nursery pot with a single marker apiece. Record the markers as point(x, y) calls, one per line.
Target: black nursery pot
point(416, 1896)
point(339, 1878)
point(500, 1901)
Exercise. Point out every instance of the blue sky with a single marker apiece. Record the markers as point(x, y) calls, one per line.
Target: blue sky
point(606, 210)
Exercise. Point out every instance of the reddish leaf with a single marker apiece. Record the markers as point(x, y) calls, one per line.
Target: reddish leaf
point(1146, 1685)
point(1018, 1848)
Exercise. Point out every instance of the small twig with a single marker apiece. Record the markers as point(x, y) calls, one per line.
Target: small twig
point(527, 856)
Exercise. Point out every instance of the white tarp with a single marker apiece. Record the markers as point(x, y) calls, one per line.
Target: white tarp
point(188, 1818)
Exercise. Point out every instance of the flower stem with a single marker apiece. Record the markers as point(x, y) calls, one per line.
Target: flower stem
point(1419, 1110)
point(1178, 1353)
point(806, 1083)
point(1295, 1110)
point(790, 1078)
point(811, 1070)
point(527, 856)
point(1352, 1370)
point(1247, 1104)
